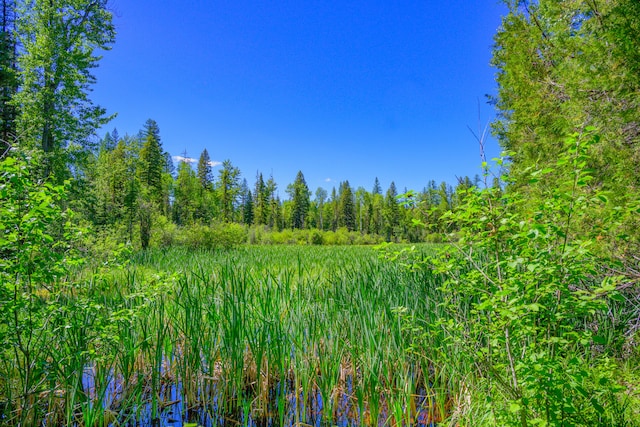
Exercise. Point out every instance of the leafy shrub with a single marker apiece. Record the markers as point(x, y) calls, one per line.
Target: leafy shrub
point(165, 232)
point(526, 285)
point(315, 237)
point(528, 299)
point(228, 235)
point(221, 235)
point(36, 236)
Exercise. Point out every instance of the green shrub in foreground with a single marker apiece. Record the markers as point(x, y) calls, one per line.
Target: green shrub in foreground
point(531, 314)
point(528, 298)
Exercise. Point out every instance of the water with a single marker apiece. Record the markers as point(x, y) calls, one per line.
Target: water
point(283, 408)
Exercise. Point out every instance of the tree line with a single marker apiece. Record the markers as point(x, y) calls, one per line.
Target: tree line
point(129, 185)
point(133, 183)
point(561, 66)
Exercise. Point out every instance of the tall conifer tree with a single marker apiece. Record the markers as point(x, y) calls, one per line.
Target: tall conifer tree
point(204, 170)
point(300, 200)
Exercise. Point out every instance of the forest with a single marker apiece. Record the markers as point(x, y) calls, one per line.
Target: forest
point(134, 291)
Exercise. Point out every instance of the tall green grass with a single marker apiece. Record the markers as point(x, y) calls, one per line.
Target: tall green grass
point(288, 334)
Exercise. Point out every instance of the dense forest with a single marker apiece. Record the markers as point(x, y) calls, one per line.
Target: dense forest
point(527, 313)
point(128, 189)
point(123, 170)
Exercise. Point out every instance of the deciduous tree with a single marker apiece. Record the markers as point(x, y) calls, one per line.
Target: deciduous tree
point(58, 41)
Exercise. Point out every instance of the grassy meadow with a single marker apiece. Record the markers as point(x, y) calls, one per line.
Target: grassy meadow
point(252, 336)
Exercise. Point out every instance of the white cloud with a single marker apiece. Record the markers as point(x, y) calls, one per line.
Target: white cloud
point(328, 180)
point(212, 163)
point(184, 159)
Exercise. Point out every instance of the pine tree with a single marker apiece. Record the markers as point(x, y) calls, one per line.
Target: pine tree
point(377, 189)
point(152, 165)
point(360, 205)
point(204, 170)
point(246, 202)
point(274, 215)
point(261, 201)
point(300, 202)
point(347, 207)
point(391, 212)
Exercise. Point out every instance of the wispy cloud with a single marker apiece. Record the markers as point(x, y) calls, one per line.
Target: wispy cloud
point(328, 180)
point(212, 163)
point(184, 159)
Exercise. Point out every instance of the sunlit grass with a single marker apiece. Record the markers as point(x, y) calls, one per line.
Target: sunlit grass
point(290, 334)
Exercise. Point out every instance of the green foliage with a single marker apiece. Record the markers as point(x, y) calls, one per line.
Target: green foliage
point(342, 236)
point(8, 73)
point(216, 236)
point(35, 236)
point(562, 66)
point(391, 213)
point(152, 165)
point(527, 295)
point(57, 44)
point(188, 194)
point(347, 208)
point(205, 176)
point(299, 193)
point(228, 189)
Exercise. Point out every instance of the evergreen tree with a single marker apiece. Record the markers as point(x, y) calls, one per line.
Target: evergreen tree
point(115, 187)
point(377, 189)
point(360, 205)
point(562, 66)
point(370, 223)
point(152, 165)
point(246, 203)
point(347, 207)
point(274, 215)
point(186, 195)
point(228, 189)
point(110, 140)
point(391, 212)
point(110, 184)
point(300, 202)
point(169, 167)
point(8, 73)
point(204, 170)
point(335, 209)
point(377, 217)
point(261, 201)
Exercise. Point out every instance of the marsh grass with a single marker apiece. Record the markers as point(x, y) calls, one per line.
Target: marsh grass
point(254, 336)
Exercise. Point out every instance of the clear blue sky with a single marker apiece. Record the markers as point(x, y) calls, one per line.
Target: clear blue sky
point(342, 90)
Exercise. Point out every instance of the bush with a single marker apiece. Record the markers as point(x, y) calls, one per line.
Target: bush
point(528, 299)
point(228, 235)
point(315, 237)
point(221, 235)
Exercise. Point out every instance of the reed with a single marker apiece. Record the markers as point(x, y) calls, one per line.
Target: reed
point(259, 335)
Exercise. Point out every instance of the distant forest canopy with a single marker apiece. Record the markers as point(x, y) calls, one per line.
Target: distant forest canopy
point(561, 67)
point(124, 168)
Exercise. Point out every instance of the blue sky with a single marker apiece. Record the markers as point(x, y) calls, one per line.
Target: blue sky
point(342, 90)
